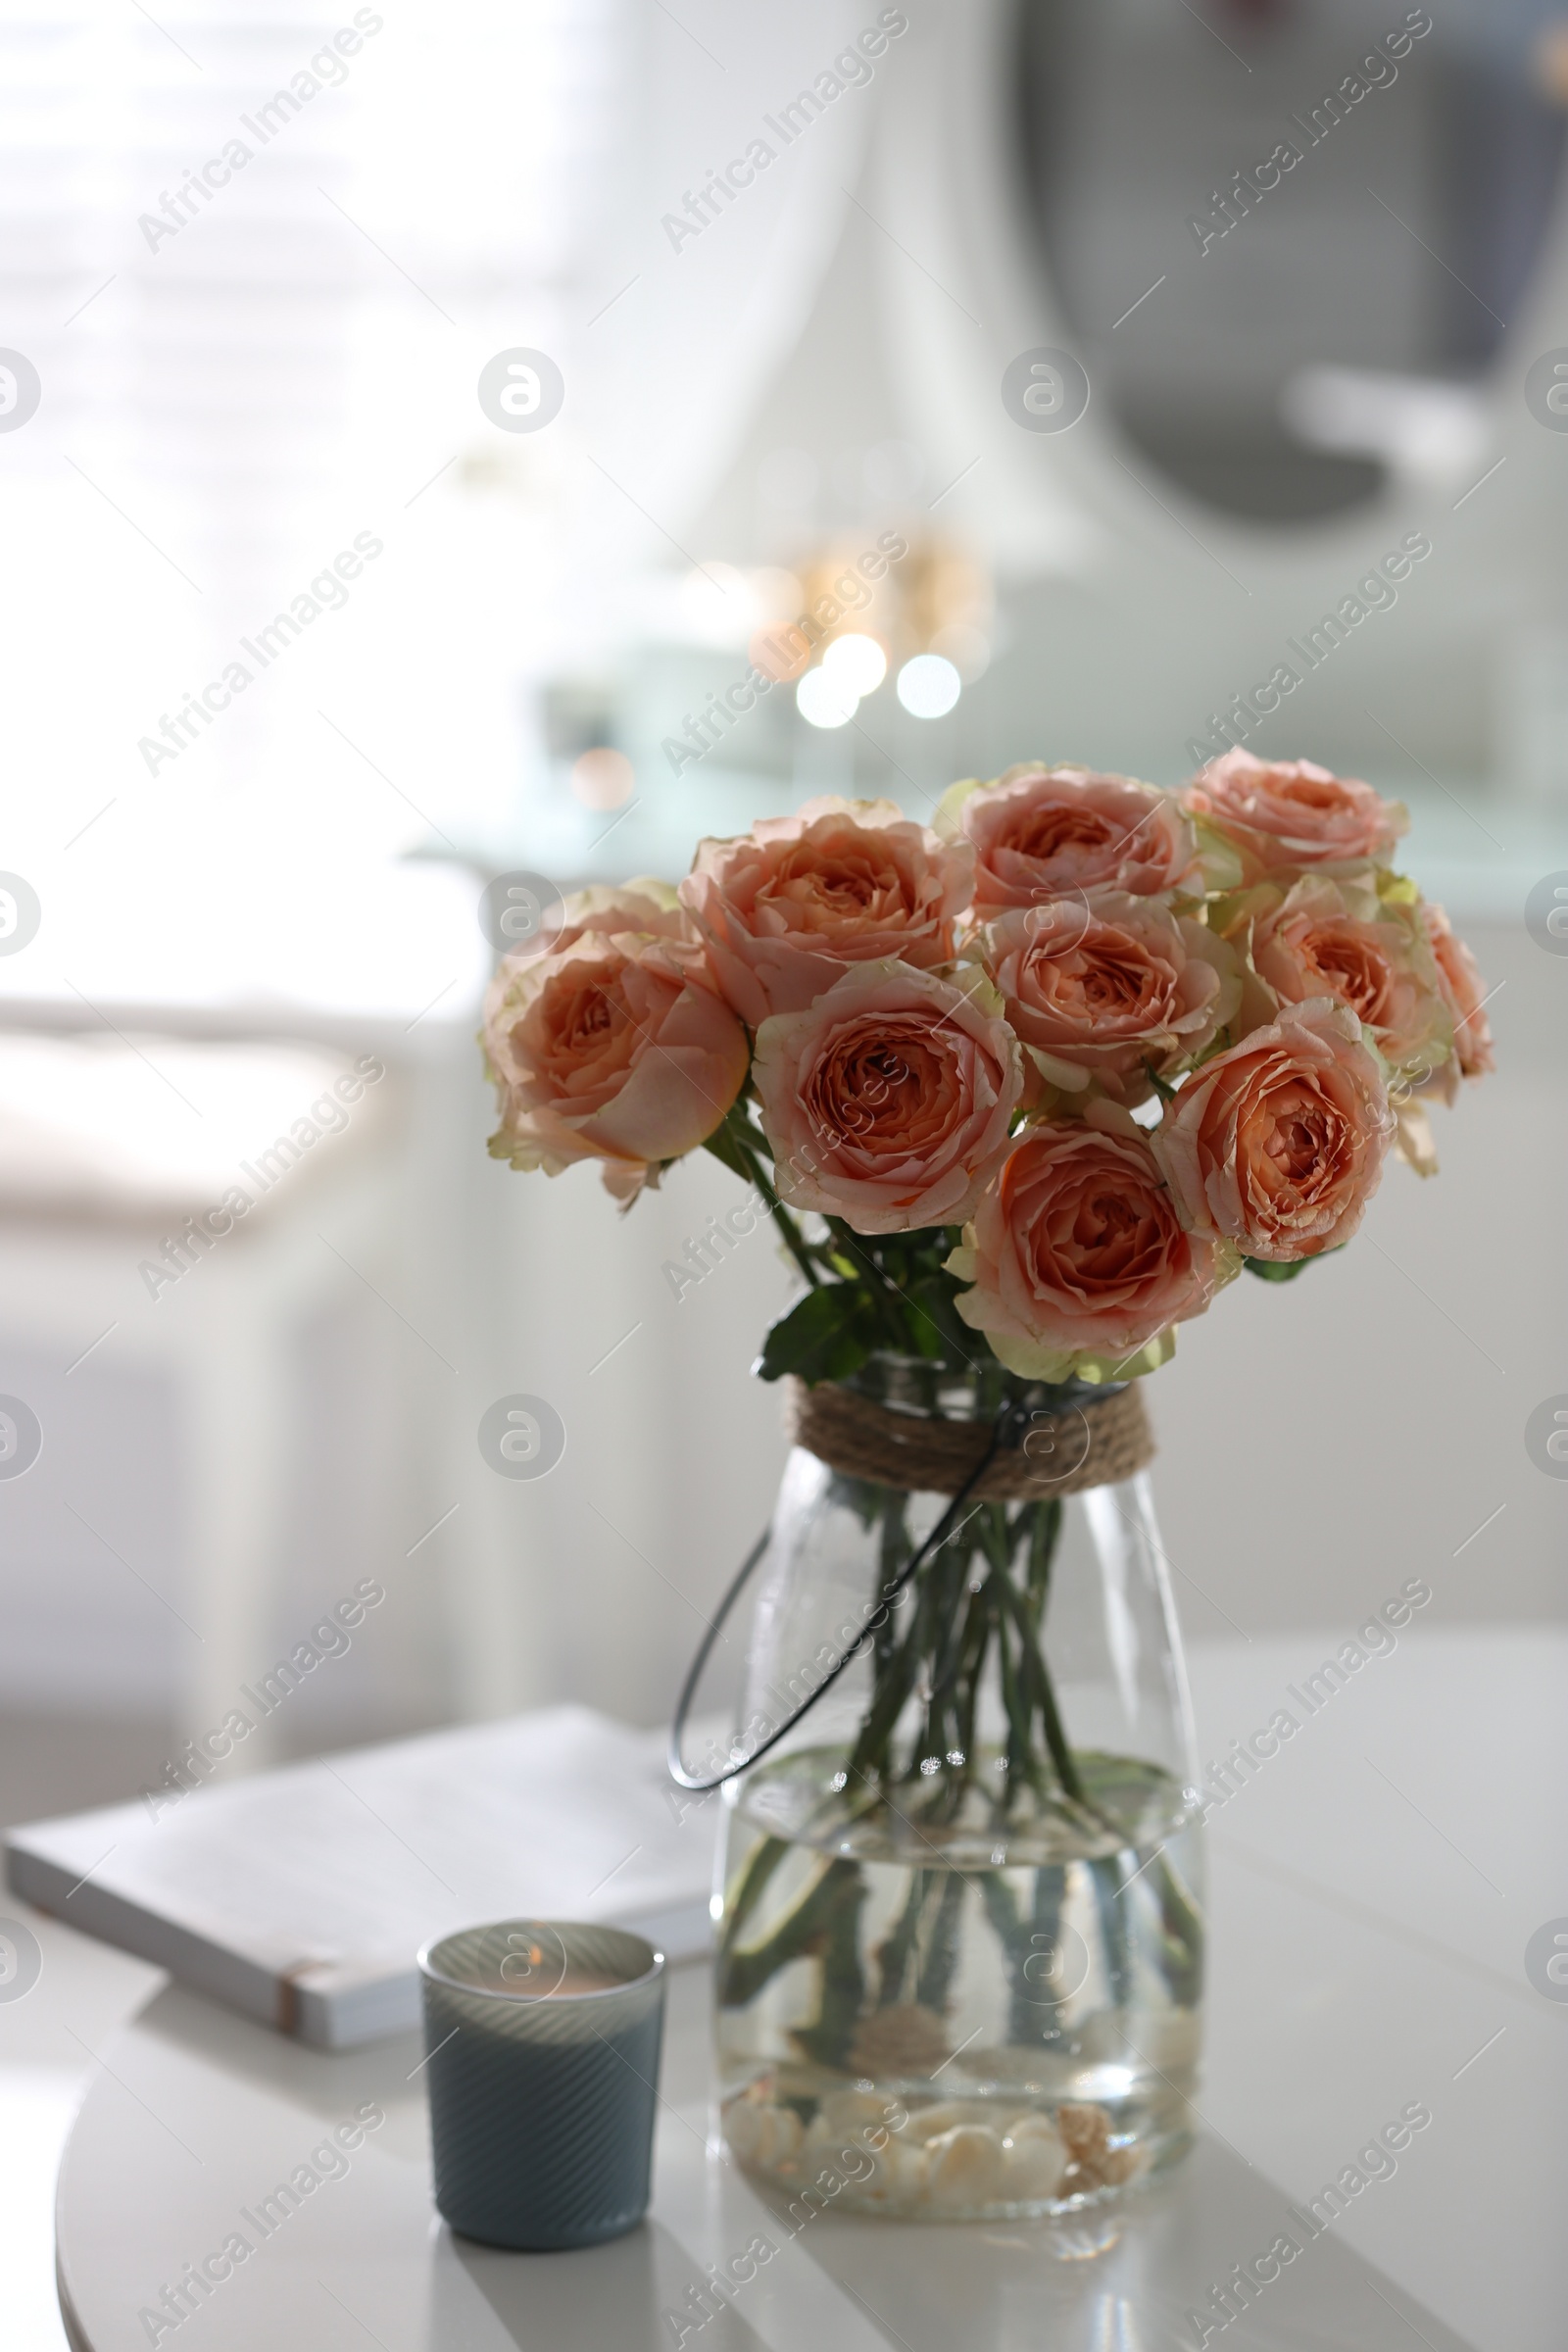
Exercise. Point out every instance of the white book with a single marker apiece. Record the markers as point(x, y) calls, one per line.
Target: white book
point(300, 1896)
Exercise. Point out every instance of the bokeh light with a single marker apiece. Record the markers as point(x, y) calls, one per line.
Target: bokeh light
point(857, 663)
point(825, 701)
point(929, 686)
point(602, 778)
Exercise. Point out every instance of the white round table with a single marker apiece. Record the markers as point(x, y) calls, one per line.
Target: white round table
point(204, 2114)
point(1348, 1981)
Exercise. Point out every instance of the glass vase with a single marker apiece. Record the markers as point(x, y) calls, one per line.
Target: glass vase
point(959, 1936)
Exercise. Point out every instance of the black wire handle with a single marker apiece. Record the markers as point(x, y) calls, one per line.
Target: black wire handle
point(1001, 1433)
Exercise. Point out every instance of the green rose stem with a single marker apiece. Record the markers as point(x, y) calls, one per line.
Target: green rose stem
point(1030, 2019)
point(1108, 1878)
point(931, 1905)
point(893, 1953)
point(934, 1983)
point(760, 1868)
point(1182, 1935)
point(1021, 1764)
point(1044, 1530)
point(1034, 1672)
point(981, 1624)
point(738, 1145)
point(951, 1676)
point(842, 1896)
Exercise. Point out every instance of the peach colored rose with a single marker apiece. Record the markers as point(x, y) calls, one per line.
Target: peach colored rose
point(788, 907)
point(887, 1103)
point(1292, 813)
point(1322, 938)
point(1277, 1146)
point(1077, 1257)
point(640, 905)
point(614, 1047)
point(1464, 994)
point(1050, 832)
point(1108, 987)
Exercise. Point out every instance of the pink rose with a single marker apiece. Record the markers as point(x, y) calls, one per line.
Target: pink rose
point(612, 1047)
point(1290, 813)
point(887, 1103)
point(1108, 987)
point(1278, 1145)
point(789, 906)
point(1464, 994)
point(1050, 832)
point(1328, 939)
point(640, 905)
point(1077, 1256)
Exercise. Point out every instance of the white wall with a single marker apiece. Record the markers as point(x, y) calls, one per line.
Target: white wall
point(1360, 1423)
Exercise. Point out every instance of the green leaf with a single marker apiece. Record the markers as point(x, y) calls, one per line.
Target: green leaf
point(1270, 1269)
point(827, 1336)
point(937, 1329)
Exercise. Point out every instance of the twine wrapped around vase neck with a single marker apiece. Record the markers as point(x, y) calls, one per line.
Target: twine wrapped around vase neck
point(1092, 1445)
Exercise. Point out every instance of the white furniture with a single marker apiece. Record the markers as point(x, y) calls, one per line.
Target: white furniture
point(122, 1161)
point(128, 1098)
point(1359, 1963)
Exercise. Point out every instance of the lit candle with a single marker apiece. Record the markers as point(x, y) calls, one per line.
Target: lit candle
point(542, 2041)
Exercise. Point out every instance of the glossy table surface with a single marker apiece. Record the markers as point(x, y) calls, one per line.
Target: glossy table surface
point(1372, 1900)
point(205, 2115)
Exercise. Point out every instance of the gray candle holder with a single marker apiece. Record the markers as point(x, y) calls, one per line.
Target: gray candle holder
point(543, 2044)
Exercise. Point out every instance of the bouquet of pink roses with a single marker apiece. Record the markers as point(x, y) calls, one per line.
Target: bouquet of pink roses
point(1022, 1090)
point(1051, 1071)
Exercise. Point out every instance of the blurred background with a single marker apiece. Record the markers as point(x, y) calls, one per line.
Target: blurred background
point(1147, 328)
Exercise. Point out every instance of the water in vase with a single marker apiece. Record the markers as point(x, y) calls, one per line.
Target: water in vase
point(935, 2016)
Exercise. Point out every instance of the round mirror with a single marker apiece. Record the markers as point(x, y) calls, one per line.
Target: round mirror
point(1290, 235)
